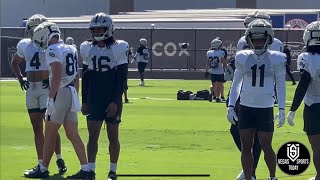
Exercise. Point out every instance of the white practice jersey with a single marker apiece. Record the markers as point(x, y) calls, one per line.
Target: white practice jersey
point(257, 78)
point(311, 63)
point(214, 57)
point(277, 45)
point(33, 55)
point(67, 55)
point(104, 59)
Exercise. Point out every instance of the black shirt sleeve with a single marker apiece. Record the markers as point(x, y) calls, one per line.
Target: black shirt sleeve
point(301, 89)
point(120, 80)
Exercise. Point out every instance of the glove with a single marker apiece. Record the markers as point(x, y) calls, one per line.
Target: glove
point(232, 116)
point(290, 117)
point(281, 117)
point(24, 84)
point(45, 84)
point(50, 106)
point(206, 75)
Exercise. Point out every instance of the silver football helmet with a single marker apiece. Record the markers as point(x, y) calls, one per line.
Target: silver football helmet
point(101, 20)
point(143, 42)
point(259, 29)
point(33, 22)
point(216, 43)
point(311, 35)
point(43, 34)
point(256, 15)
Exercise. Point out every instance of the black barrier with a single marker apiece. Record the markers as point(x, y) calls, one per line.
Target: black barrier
point(165, 45)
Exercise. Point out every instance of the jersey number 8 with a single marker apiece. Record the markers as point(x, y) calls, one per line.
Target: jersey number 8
point(71, 64)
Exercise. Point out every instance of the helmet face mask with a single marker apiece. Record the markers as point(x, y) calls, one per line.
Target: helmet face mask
point(33, 22)
point(311, 35)
point(259, 35)
point(43, 34)
point(101, 26)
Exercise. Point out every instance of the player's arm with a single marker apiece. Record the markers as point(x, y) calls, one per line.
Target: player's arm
point(240, 45)
point(280, 79)
point(76, 80)
point(237, 79)
point(84, 84)
point(224, 63)
point(15, 62)
point(55, 79)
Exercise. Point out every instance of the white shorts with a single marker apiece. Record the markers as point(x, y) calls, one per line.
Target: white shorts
point(36, 97)
point(62, 106)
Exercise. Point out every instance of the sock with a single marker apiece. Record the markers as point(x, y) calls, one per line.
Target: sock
point(84, 167)
point(40, 161)
point(43, 168)
point(91, 166)
point(113, 167)
point(59, 156)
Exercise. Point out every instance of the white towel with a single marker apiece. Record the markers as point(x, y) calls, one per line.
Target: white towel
point(75, 107)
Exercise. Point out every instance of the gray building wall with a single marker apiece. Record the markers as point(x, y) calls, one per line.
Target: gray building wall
point(14, 11)
point(288, 4)
point(141, 5)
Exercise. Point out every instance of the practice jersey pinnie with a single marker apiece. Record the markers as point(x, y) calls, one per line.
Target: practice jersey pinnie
point(311, 63)
point(67, 55)
point(259, 77)
point(276, 45)
point(34, 57)
point(143, 54)
point(214, 57)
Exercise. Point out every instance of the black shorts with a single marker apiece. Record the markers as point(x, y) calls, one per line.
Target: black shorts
point(97, 112)
point(217, 78)
point(260, 119)
point(311, 118)
point(142, 66)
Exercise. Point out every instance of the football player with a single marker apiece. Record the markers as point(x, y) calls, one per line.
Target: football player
point(217, 64)
point(63, 101)
point(309, 89)
point(103, 85)
point(142, 55)
point(242, 44)
point(257, 70)
point(36, 86)
point(70, 41)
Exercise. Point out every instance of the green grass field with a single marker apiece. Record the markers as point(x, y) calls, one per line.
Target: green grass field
point(158, 136)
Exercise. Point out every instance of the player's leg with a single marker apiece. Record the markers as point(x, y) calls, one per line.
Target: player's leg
point(212, 86)
point(265, 133)
point(141, 67)
point(256, 154)
point(311, 116)
point(247, 125)
point(234, 130)
point(94, 126)
point(114, 143)
point(222, 92)
point(60, 162)
point(290, 74)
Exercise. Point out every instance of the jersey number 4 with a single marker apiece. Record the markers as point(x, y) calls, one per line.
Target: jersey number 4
point(254, 75)
point(71, 64)
point(35, 61)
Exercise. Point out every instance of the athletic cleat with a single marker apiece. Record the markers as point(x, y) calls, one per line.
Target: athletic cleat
point(241, 176)
point(214, 98)
point(112, 176)
point(37, 173)
point(91, 175)
point(126, 101)
point(294, 83)
point(223, 98)
point(32, 169)
point(61, 166)
point(218, 100)
point(272, 178)
point(141, 83)
point(81, 174)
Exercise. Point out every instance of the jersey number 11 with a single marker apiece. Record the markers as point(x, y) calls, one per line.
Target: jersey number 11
point(254, 75)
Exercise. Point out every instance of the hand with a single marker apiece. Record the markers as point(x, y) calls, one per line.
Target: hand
point(45, 84)
point(84, 108)
point(24, 84)
point(132, 61)
point(50, 106)
point(281, 117)
point(112, 109)
point(232, 116)
point(290, 117)
point(206, 75)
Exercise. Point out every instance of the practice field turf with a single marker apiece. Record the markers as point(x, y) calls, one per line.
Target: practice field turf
point(158, 134)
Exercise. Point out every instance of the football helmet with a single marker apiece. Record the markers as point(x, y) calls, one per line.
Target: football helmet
point(101, 20)
point(216, 43)
point(69, 41)
point(33, 22)
point(259, 29)
point(44, 32)
point(311, 35)
point(143, 42)
point(255, 15)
